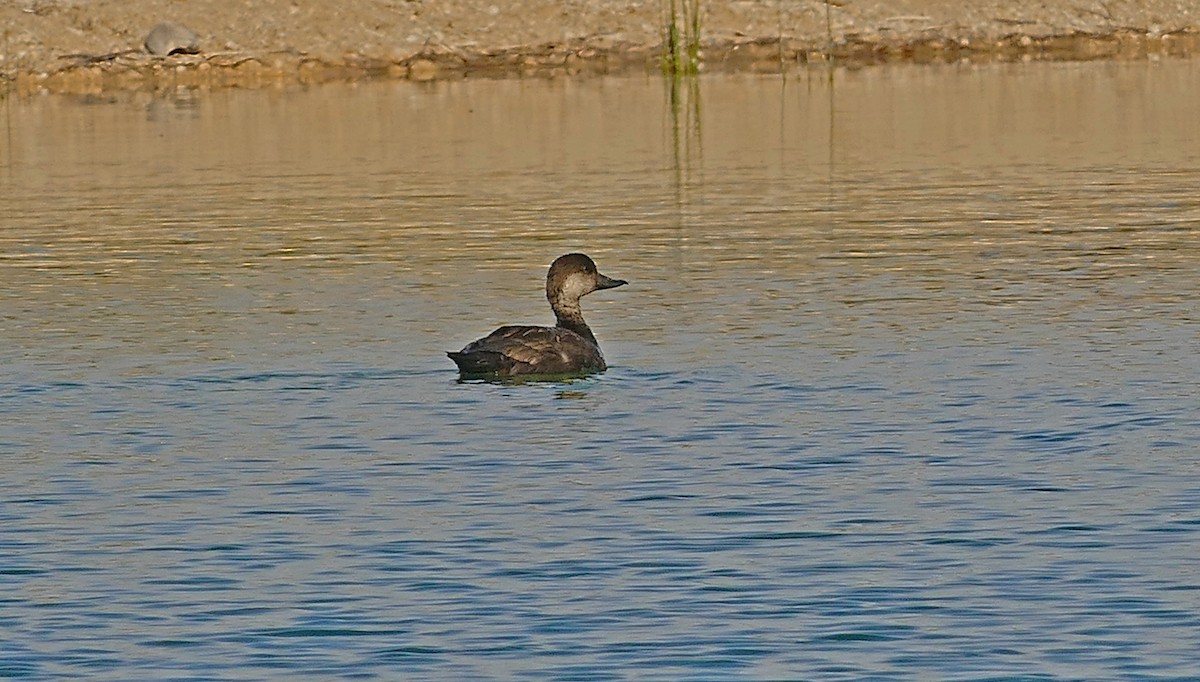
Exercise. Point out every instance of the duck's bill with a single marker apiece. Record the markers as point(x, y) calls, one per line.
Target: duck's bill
point(603, 282)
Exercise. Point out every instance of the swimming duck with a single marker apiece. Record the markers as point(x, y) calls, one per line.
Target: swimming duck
point(569, 347)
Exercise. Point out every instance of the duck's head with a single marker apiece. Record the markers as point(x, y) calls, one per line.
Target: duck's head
point(574, 276)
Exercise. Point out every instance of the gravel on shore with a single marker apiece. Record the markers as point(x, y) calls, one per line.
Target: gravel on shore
point(85, 46)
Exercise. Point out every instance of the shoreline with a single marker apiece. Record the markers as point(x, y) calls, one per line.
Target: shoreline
point(135, 71)
point(72, 47)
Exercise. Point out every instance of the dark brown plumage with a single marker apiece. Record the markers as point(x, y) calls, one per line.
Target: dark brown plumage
point(569, 347)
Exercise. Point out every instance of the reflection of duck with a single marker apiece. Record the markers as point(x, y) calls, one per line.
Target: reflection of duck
point(566, 348)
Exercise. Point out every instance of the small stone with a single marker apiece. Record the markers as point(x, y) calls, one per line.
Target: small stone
point(170, 38)
point(422, 70)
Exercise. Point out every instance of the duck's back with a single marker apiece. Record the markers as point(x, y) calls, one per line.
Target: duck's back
point(517, 350)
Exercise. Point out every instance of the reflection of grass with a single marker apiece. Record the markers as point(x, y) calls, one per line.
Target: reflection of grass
point(686, 133)
point(4, 77)
point(681, 46)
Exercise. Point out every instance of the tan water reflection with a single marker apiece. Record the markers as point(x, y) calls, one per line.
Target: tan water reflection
point(452, 197)
point(303, 145)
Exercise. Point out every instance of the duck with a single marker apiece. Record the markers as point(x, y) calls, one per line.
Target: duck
point(567, 348)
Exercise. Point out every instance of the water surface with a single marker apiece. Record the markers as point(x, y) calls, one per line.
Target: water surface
point(903, 386)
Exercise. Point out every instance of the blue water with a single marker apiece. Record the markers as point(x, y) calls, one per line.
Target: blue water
point(871, 414)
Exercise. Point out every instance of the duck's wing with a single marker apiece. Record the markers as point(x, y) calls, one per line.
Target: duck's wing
point(514, 350)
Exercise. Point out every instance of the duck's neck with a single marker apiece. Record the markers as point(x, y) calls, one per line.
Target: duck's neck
point(570, 316)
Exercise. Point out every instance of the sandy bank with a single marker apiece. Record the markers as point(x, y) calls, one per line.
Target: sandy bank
point(88, 46)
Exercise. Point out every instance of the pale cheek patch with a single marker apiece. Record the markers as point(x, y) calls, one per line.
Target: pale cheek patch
point(577, 286)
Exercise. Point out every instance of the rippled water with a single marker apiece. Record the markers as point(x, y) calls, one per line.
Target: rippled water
point(903, 387)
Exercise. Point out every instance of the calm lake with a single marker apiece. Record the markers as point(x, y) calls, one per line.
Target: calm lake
point(904, 385)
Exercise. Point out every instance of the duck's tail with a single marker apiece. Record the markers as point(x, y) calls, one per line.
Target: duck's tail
point(481, 362)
